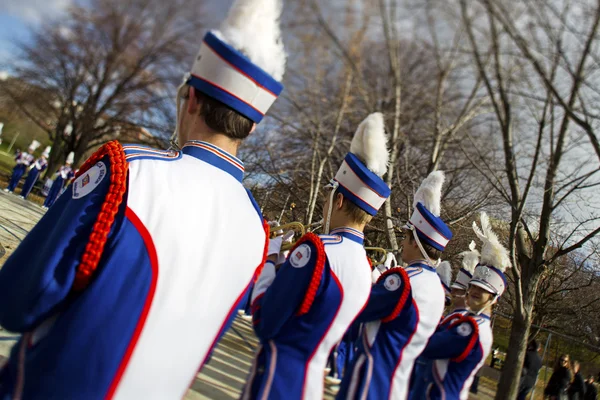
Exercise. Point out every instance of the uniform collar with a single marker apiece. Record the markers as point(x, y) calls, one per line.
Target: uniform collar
point(216, 157)
point(349, 233)
point(423, 264)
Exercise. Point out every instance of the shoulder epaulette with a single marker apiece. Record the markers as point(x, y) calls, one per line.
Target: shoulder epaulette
point(106, 217)
point(401, 272)
point(474, 334)
point(315, 280)
point(137, 152)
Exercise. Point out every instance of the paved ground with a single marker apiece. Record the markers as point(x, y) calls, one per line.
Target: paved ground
point(221, 379)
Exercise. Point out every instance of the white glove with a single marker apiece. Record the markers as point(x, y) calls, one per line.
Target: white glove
point(375, 274)
point(390, 261)
point(275, 243)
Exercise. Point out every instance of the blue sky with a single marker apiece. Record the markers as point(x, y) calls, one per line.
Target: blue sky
point(18, 17)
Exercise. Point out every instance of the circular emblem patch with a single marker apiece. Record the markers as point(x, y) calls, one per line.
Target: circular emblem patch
point(464, 329)
point(89, 180)
point(300, 257)
point(392, 283)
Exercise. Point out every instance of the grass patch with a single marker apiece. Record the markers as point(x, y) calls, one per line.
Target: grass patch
point(7, 162)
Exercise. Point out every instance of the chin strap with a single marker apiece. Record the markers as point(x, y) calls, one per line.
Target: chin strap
point(423, 252)
point(334, 185)
point(174, 145)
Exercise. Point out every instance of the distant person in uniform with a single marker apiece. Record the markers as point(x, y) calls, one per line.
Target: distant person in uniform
point(23, 160)
point(531, 367)
point(62, 177)
point(35, 170)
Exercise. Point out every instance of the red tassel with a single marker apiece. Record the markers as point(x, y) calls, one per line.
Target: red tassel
point(315, 281)
point(406, 291)
point(108, 211)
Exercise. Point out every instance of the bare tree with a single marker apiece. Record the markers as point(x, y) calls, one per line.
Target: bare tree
point(104, 70)
point(544, 172)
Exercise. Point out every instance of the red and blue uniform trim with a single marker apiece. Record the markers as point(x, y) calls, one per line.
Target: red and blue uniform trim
point(215, 156)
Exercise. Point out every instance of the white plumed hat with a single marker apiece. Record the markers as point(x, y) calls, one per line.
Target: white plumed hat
point(470, 259)
point(489, 274)
point(359, 176)
point(34, 145)
point(425, 220)
point(241, 64)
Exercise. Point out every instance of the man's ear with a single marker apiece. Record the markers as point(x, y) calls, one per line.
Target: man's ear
point(339, 201)
point(253, 127)
point(192, 101)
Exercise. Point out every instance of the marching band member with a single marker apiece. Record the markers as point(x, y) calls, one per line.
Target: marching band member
point(34, 172)
point(422, 364)
point(130, 289)
point(23, 161)
point(399, 320)
point(61, 178)
point(302, 310)
point(459, 287)
point(462, 344)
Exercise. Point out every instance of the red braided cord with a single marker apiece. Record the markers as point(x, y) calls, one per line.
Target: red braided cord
point(108, 211)
point(472, 341)
point(406, 289)
point(260, 267)
point(315, 281)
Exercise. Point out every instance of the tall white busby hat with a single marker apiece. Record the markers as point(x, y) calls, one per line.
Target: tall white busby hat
point(489, 273)
point(444, 271)
point(46, 152)
point(470, 259)
point(425, 221)
point(242, 63)
point(359, 176)
point(34, 145)
point(71, 158)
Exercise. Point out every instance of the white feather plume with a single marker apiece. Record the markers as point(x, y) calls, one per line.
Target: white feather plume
point(470, 258)
point(492, 251)
point(370, 144)
point(252, 27)
point(444, 271)
point(430, 192)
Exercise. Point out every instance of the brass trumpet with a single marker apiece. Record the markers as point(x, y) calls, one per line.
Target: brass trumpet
point(295, 226)
point(376, 250)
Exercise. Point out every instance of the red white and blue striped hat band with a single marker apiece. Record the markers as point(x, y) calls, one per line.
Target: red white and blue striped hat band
point(225, 74)
point(490, 279)
point(360, 185)
point(431, 230)
point(462, 280)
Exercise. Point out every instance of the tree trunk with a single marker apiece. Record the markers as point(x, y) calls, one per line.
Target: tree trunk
point(56, 160)
point(519, 335)
point(511, 371)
